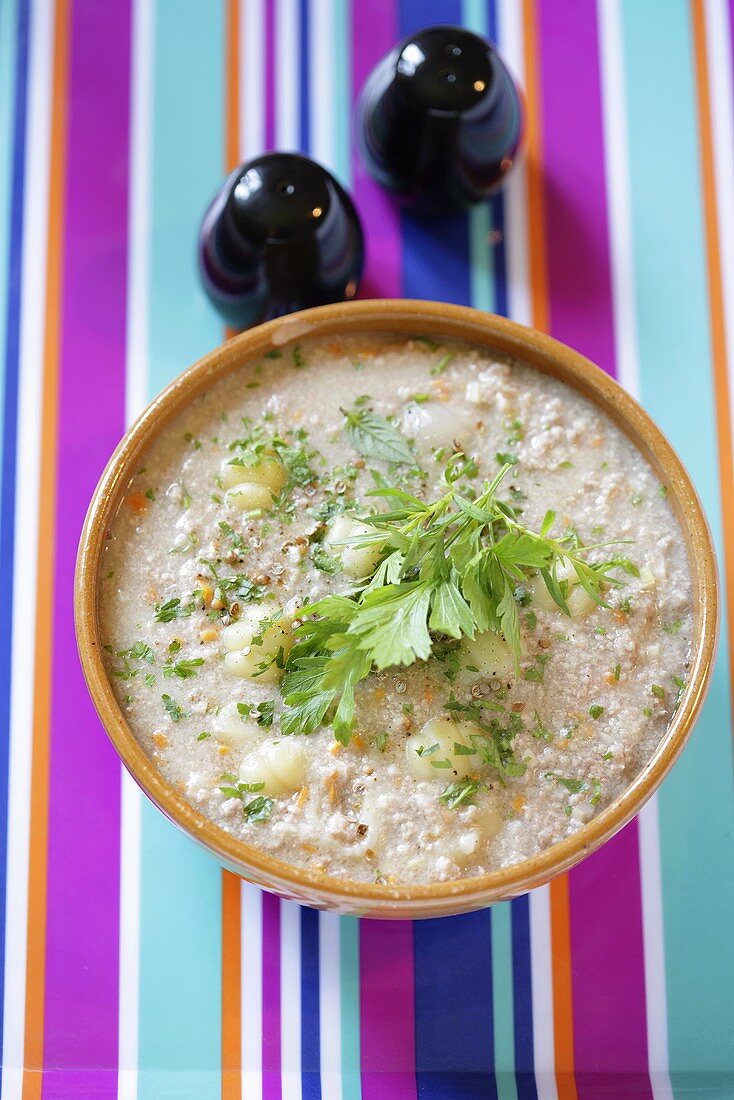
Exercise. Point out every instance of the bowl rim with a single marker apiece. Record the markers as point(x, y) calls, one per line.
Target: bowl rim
point(402, 316)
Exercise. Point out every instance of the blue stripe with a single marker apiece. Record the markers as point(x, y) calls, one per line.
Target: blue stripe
point(9, 437)
point(454, 1049)
point(436, 250)
point(304, 97)
point(497, 253)
point(310, 1027)
point(523, 999)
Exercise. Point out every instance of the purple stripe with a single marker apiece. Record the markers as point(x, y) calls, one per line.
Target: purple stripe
point(575, 195)
point(271, 1060)
point(84, 811)
point(387, 1010)
point(606, 954)
point(269, 60)
point(374, 32)
point(610, 1028)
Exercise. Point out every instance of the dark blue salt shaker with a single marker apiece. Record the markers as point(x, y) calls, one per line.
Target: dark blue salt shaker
point(280, 235)
point(440, 120)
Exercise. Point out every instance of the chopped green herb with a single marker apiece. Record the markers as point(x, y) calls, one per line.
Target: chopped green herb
point(173, 710)
point(150, 494)
point(460, 793)
point(506, 459)
point(596, 711)
point(324, 561)
point(381, 740)
point(298, 361)
point(274, 353)
point(672, 628)
point(172, 609)
point(616, 671)
point(184, 670)
point(658, 692)
point(375, 437)
point(442, 364)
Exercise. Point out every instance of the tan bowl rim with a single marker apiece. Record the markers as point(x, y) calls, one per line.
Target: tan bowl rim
point(446, 321)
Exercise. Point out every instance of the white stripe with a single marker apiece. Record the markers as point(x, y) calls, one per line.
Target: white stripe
point(251, 1005)
point(287, 67)
point(252, 77)
point(510, 37)
point(321, 19)
point(139, 213)
point(654, 950)
point(330, 1009)
point(718, 35)
point(542, 986)
point(614, 108)
point(33, 289)
point(290, 999)
point(136, 373)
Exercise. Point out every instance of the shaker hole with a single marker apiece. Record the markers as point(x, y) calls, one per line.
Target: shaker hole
point(284, 187)
point(447, 75)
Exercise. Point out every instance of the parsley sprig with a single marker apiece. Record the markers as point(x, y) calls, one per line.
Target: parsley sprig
point(450, 567)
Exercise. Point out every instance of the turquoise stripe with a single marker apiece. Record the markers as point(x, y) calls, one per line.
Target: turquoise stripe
point(342, 92)
point(474, 16)
point(349, 966)
point(180, 923)
point(8, 43)
point(696, 802)
point(503, 998)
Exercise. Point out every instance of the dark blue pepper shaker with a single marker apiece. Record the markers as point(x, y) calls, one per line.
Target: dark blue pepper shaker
point(440, 119)
point(280, 235)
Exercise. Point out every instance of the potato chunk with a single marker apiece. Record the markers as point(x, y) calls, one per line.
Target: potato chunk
point(279, 765)
point(250, 497)
point(578, 600)
point(358, 562)
point(254, 642)
point(231, 728)
point(427, 762)
point(487, 652)
point(269, 472)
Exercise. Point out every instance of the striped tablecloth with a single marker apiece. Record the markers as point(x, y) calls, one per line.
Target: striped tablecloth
point(132, 965)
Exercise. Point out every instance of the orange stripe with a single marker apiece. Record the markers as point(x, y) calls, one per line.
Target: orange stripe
point(563, 1042)
point(231, 969)
point(562, 988)
point(716, 307)
point(36, 947)
point(231, 885)
point(533, 134)
point(232, 111)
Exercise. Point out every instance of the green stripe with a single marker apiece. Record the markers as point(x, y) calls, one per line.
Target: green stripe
point(696, 804)
point(341, 108)
point(503, 1001)
point(8, 42)
point(474, 16)
point(349, 965)
point(180, 924)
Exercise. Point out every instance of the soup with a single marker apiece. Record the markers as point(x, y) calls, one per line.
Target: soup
point(398, 611)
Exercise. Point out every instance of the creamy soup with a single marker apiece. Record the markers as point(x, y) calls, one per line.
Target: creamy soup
point(397, 611)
